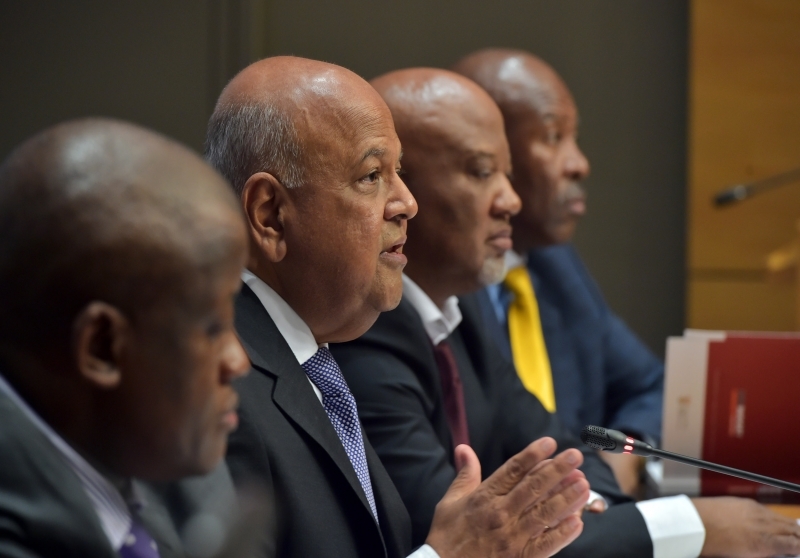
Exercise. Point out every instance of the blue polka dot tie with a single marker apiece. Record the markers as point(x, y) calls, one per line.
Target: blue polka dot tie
point(138, 544)
point(340, 405)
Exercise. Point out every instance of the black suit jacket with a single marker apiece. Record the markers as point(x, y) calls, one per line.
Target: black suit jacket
point(393, 375)
point(45, 512)
point(286, 441)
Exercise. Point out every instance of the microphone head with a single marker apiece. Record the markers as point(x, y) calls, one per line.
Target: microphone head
point(606, 439)
point(596, 437)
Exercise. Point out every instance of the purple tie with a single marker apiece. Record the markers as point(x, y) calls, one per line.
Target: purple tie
point(138, 544)
point(340, 405)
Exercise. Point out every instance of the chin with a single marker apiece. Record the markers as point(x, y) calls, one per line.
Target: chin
point(493, 271)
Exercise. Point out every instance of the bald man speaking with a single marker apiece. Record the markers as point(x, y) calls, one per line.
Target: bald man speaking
point(427, 376)
point(311, 151)
point(120, 254)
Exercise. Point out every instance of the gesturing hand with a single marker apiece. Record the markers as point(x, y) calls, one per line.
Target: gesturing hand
point(527, 508)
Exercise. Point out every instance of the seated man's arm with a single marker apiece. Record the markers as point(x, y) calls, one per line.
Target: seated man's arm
point(395, 411)
point(634, 382)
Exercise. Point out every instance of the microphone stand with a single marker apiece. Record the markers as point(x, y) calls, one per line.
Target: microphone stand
point(725, 470)
point(740, 192)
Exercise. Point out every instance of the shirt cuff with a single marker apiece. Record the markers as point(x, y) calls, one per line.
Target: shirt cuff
point(424, 551)
point(594, 496)
point(674, 526)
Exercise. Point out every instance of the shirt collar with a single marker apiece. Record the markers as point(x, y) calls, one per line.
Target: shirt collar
point(515, 260)
point(296, 332)
point(108, 503)
point(439, 322)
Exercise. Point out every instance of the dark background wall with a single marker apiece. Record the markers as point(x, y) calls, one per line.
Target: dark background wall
point(162, 63)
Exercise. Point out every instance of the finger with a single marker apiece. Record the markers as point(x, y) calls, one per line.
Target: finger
point(570, 479)
point(469, 474)
point(504, 479)
point(540, 481)
point(551, 511)
point(554, 540)
point(781, 545)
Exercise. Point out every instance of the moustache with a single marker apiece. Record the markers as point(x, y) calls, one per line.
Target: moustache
point(573, 192)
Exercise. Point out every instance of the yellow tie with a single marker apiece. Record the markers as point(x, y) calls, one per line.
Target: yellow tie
point(527, 339)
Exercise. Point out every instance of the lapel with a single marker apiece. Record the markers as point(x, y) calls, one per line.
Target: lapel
point(293, 394)
point(158, 522)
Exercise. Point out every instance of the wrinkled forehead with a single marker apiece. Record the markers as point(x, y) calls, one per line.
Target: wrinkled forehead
point(337, 124)
point(463, 120)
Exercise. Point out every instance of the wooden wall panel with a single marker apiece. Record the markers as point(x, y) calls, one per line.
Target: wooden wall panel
point(744, 124)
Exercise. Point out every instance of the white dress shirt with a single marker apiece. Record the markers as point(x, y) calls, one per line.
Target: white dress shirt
point(673, 523)
point(108, 503)
point(302, 343)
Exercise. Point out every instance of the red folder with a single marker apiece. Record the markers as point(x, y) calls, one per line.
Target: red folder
point(752, 414)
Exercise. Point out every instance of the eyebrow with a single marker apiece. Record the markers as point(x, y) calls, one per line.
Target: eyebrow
point(373, 152)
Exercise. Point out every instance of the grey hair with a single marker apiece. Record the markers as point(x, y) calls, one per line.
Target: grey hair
point(245, 139)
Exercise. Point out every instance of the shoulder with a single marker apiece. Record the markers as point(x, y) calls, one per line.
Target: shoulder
point(42, 503)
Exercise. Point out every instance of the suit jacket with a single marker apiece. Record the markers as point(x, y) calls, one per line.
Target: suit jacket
point(286, 440)
point(393, 375)
point(602, 373)
point(45, 512)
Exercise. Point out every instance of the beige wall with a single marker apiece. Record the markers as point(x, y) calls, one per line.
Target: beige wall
point(744, 125)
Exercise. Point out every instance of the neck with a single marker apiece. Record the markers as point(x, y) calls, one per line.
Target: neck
point(431, 286)
point(57, 400)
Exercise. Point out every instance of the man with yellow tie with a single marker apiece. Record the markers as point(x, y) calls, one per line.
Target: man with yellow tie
point(569, 349)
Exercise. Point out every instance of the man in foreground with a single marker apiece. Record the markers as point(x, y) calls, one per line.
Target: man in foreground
point(310, 149)
point(120, 254)
point(589, 366)
point(427, 376)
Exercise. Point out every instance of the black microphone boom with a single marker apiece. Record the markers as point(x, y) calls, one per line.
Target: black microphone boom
point(615, 441)
point(742, 191)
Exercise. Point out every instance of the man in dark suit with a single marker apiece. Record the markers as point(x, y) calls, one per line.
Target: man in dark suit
point(425, 365)
point(120, 253)
point(310, 149)
point(601, 372)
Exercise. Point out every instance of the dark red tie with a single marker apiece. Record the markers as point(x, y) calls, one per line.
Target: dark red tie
point(453, 393)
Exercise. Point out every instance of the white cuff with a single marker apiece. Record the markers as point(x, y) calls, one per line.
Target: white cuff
point(594, 496)
point(424, 551)
point(675, 527)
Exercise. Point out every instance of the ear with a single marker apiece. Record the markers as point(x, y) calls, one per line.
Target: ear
point(264, 199)
point(99, 335)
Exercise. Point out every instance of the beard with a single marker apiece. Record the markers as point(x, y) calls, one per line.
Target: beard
point(493, 271)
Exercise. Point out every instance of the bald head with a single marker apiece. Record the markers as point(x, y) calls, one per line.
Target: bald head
point(278, 114)
point(541, 124)
point(98, 209)
point(456, 162)
point(517, 80)
point(431, 105)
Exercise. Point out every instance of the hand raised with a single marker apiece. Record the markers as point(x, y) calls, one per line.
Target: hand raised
point(744, 529)
point(527, 508)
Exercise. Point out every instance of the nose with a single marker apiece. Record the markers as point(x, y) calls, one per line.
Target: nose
point(576, 165)
point(506, 203)
point(235, 362)
point(401, 205)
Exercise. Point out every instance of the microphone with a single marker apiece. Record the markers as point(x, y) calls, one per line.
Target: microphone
point(605, 439)
point(740, 192)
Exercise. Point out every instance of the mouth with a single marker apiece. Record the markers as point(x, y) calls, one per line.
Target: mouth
point(501, 240)
point(394, 253)
point(576, 206)
point(230, 418)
